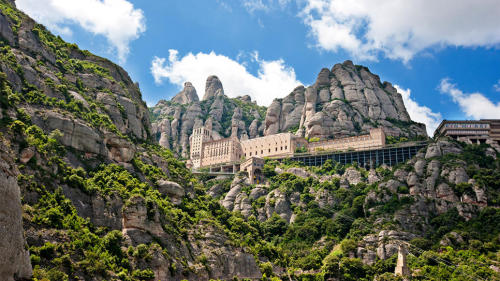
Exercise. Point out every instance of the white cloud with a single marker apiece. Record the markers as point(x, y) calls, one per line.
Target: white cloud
point(273, 80)
point(420, 113)
point(497, 86)
point(264, 5)
point(400, 29)
point(474, 105)
point(117, 20)
point(255, 5)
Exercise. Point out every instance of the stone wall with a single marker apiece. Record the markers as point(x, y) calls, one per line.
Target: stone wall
point(376, 138)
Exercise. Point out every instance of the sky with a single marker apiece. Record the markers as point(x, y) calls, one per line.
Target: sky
point(444, 59)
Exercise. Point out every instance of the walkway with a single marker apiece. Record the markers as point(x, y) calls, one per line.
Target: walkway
point(389, 155)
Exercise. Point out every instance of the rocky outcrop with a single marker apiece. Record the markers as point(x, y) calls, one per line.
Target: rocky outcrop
point(139, 224)
point(346, 100)
point(187, 95)
point(171, 189)
point(14, 257)
point(86, 100)
point(213, 87)
point(175, 120)
point(77, 134)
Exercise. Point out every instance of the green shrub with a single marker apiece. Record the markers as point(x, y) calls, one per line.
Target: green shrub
point(145, 274)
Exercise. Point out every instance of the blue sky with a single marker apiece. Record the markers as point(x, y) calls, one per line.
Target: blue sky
point(444, 59)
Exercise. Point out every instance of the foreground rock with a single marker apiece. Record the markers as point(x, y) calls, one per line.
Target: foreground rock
point(14, 258)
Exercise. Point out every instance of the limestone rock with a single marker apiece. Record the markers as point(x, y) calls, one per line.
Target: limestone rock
point(352, 175)
point(76, 134)
point(257, 192)
point(212, 87)
point(433, 151)
point(120, 150)
point(187, 95)
point(5, 29)
point(139, 225)
point(27, 154)
point(339, 103)
point(14, 256)
point(236, 187)
point(300, 172)
point(172, 189)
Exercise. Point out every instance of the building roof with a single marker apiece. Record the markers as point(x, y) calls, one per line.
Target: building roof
point(481, 121)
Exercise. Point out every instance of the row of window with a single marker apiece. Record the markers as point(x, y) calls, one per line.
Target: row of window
point(467, 125)
point(268, 151)
point(202, 131)
point(466, 132)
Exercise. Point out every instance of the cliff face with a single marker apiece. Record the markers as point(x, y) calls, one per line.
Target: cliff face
point(14, 257)
point(90, 100)
point(174, 121)
point(346, 100)
point(82, 184)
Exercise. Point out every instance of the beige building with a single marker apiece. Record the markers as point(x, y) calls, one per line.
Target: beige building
point(253, 166)
point(197, 139)
point(207, 152)
point(473, 131)
point(220, 151)
point(375, 139)
point(273, 145)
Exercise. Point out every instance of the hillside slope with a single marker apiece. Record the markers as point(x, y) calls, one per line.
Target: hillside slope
point(99, 199)
point(87, 194)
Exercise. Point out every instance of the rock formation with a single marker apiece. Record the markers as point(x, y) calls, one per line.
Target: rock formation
point(14, 257)
point(346, 100)
point(213, 87)
point(402, 268)
point(173, 121)
point(75, 146)
point(187, 95)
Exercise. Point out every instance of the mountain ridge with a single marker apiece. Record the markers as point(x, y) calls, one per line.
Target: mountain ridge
point(345, 101)
point(88, 194)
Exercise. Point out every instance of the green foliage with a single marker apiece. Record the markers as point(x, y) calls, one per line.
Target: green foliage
point(13, 14)
point(274, 226)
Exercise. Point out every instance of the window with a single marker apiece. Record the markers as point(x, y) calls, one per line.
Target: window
point(250, 154)
point(262, 152)
point(269, 150)
point(286, 147)
point(281, 148)
point(276, 149)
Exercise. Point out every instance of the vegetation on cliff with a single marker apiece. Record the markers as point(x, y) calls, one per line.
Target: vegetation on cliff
point(102, 201)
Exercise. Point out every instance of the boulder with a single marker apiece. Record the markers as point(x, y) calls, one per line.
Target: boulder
point(433, 151)
point(171, 189)
point(27, 154)
point(120, 150)
point(299, 172)
point(352, 175)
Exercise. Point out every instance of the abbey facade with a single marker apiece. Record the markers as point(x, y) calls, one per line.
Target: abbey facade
point(207, 151)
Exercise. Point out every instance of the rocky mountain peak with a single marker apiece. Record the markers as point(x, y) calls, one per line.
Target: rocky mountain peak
point(213, 87)
point(187, 95)
point(346, 100)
